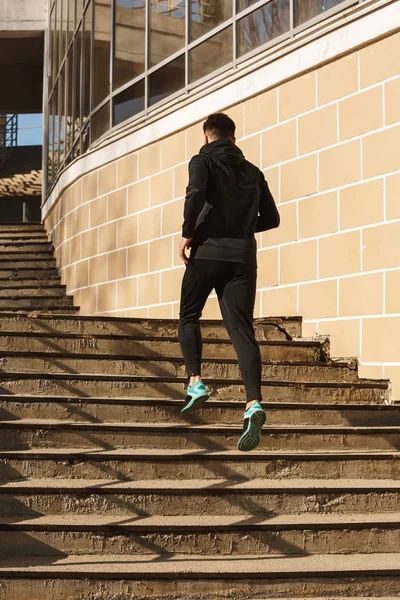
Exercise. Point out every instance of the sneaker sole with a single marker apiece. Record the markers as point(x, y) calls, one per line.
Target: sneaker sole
point(195, 403)
point(251, 438)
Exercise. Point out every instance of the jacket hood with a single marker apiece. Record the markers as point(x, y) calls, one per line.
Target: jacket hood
point(225, 151)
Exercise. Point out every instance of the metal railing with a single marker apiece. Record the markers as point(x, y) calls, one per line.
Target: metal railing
point(8, 135)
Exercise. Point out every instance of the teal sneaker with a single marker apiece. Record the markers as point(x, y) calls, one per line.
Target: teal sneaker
point(196, 396)
point(254, 419)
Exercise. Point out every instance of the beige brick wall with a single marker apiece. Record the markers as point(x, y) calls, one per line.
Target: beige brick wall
point(328, 143)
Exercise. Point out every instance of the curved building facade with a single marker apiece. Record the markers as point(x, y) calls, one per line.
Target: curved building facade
point(314, 90)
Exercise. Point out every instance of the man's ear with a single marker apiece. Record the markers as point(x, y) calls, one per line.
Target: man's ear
point(234, 140)
point(206, 140)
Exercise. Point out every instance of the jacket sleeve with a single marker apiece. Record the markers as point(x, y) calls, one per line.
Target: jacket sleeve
point(195, 194)
point(268, 213)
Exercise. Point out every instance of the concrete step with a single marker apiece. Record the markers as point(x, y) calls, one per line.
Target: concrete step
point(47, 291)
point(274, 329)
point(42, 301)
point(30, 283)
point(112, 386)
point(21, 257)
point(21, 227)
point(33, 311)
point(219, 535)
point(37, 339)
point(22, 273)
point(166, 410)
point(23, 236)
point(207, 578)
point(222, 495)
point(222, 368)
point(39, 433)
point(135, 464)
point(22, 264)
point(26, 246)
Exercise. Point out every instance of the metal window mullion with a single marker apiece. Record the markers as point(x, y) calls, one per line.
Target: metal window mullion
point(187, 38)
point(92, 63)
point(81, 83)
point(234, 34)
point(291, 18)
point(45, 130)
point(147, 56)
point(112, 59)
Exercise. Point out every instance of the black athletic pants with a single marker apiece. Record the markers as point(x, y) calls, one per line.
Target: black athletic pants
point(235, 285)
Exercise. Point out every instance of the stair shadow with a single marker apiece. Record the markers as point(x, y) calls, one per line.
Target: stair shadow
point(20, 549)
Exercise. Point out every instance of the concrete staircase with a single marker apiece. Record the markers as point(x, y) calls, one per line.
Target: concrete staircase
point(108, 492)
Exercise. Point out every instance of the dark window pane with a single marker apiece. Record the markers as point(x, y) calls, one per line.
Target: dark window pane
point(100, 122)
point(211, 55)
point(128, 103)
point(242, 4)
point(129, 40)
point(205, 15)
point(305, 10)
point(55, 130)
point(56, 55)
point(61, 113)
point(102, 50)
point(71, 19)
point(69, 104)
point(167, 80)
point(53, 65)
point(167, 25)
point(77, 81)
point(263, 25)
point(85, 139)
point(50, 157)
point(76, 150)
point(64, 29)
point(87, 61)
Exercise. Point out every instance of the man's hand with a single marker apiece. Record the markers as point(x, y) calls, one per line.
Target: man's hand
point(183, 246)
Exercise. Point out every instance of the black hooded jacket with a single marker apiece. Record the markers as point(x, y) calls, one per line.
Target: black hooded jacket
point(227, 202)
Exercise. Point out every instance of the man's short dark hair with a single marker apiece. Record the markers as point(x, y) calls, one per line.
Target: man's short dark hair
point(219, 125)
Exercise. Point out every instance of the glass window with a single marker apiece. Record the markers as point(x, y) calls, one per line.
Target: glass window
point(263, 25)
point(129, 40)
point(56, 56)
point(87, 55)
point(128, 103)
point(77, 82)
point(167, 25)
point(242, 4)
point(76, 151)
point(71, 20)
point(102, 50)
point(101, 122)
point(50, 157)
point(64, 28)
point(85, 139)
point(167, 80)
point(61, 113)
point(214, 53)
point(205, 15)
point(69, 122)
point(55, 128)
point(304, 10)
point(52, 37)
